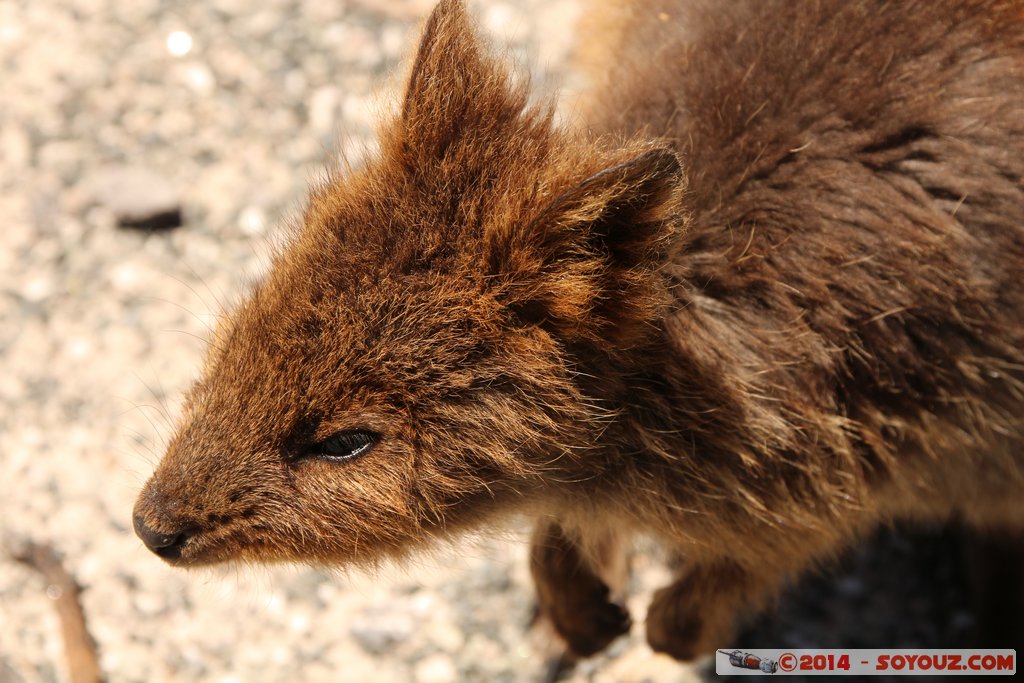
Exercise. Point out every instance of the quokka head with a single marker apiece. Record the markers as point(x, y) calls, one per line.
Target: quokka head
point(410, 363)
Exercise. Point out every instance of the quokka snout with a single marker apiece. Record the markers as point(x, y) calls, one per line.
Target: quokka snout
point(768, 291)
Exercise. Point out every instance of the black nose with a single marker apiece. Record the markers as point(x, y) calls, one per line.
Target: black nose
point(167, 546)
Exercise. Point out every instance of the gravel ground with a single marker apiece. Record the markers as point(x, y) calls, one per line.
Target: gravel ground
point(114, 111)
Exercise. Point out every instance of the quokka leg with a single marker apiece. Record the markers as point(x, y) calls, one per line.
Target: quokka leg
point(697, 613)
point(573, 590)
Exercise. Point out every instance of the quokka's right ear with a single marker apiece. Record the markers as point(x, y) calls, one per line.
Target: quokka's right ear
point(457, 93)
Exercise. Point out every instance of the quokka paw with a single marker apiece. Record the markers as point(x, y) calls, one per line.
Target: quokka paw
point(684, 628)
point(683, 639)
point(591, 626)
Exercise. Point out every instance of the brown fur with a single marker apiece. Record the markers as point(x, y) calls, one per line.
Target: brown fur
point(816, 328)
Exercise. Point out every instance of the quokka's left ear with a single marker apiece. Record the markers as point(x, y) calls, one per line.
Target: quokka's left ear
point(586, 264)
point(457, 92)
point(624, 211)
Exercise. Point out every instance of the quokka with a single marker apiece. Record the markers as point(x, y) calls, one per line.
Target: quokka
point(765, 296)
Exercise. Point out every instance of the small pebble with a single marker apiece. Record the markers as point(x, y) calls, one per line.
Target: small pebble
point(378, 633)
point(436, 668)
point(252, 221)
point(137, 196)
point(179, 43)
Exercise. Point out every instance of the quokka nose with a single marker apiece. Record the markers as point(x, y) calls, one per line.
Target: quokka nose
point(167, 546)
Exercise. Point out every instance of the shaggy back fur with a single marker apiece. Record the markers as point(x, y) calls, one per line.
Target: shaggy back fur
point(815, 328)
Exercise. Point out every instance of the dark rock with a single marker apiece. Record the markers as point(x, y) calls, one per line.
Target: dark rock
point(138, 197)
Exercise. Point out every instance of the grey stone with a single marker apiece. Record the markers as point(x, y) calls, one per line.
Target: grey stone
point(137, 196)
point(378, 633)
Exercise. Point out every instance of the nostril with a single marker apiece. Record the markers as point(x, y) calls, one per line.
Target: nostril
point(167, 546)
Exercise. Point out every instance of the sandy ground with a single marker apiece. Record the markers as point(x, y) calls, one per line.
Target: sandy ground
point(110, 108)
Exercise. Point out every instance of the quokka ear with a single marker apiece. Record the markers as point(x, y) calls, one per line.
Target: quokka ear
point(624, 211)
point(587, 264)
point(456, 89)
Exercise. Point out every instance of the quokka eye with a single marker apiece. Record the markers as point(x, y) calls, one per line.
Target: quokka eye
point(344, 445)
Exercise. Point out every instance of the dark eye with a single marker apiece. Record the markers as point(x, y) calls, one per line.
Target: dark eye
point(344, 445)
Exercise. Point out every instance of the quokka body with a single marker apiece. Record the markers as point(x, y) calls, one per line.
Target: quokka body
point(763, 296)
